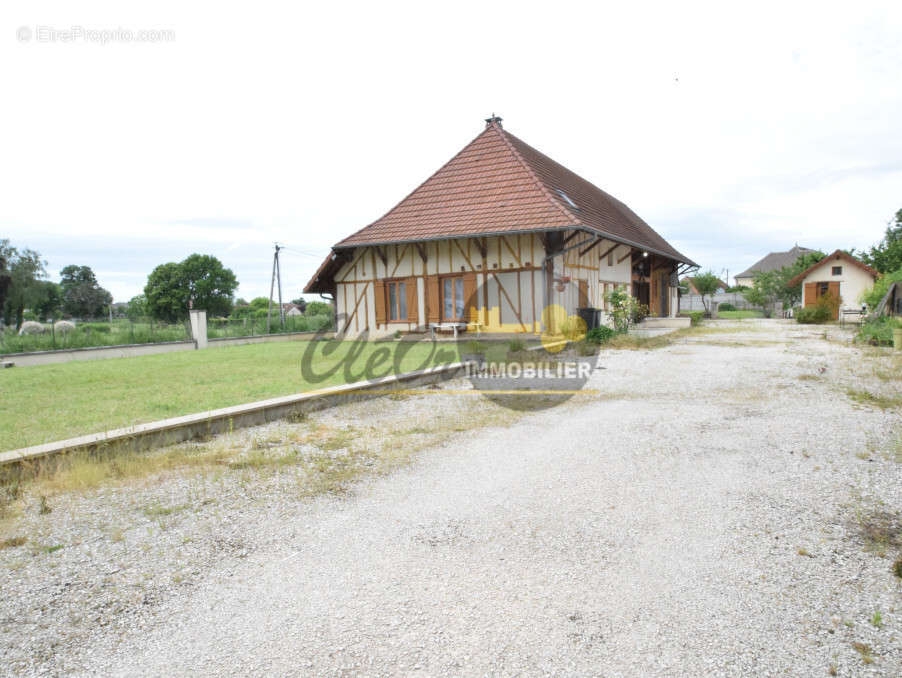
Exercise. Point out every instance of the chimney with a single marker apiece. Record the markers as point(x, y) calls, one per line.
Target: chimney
point(493, 119)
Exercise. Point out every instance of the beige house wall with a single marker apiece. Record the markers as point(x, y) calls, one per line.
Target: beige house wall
point(510, 279)
point(853, 281)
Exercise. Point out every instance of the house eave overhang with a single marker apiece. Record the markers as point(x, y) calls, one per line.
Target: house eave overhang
point(484, 234)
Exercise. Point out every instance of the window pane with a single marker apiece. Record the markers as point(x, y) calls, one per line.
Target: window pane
point(447, 299)
point(402, 301)
point(459, 297)
point(392, 302)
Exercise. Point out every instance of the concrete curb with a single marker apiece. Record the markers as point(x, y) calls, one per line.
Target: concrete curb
point(178, 429)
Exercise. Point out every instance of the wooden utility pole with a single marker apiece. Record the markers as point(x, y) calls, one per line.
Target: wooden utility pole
point(276, 275)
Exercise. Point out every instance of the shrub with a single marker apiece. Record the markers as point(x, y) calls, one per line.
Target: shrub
point(812, 315)
point(695, 317)
point(600, 335)
point(873, 296)
point(31, 327)
point(879, 332)
point(823, 311)
point(63, 326)
point(726, 306)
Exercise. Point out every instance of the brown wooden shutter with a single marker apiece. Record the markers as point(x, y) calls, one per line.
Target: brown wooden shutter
point(471, 303)
point(583, 293)
point(834, 289)
point(411, 286)
point(379, 292)
point(433, 309)
point(810, 294)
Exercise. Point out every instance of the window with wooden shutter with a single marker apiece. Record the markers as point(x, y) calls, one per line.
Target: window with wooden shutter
point(412, 314)
point(583, 287)
point(379, 292)
point(433, 307)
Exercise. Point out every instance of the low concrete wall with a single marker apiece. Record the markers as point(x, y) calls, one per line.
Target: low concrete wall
point(131, 350)
point(202, 424)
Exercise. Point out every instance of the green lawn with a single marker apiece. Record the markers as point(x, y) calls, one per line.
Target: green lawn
point(739, 315)
point(52, 402)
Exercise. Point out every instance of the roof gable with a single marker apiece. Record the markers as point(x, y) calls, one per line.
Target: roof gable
point(499, 184)
point(828, 260)
point(484, 188)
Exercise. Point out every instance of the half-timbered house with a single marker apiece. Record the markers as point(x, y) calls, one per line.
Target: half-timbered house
point(496, 235)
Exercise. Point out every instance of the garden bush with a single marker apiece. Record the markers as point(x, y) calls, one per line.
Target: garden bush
point(726, 306)
point(879, 332)
point(823, 311)
point(813, 315)
point(600, 335)
point(695, 317)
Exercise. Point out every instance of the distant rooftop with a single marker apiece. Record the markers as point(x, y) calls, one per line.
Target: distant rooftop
point(774, 261)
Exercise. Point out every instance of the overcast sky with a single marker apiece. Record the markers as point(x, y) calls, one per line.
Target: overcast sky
point(732, 132)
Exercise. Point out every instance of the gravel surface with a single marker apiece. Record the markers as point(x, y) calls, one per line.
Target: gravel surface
point(728, 505)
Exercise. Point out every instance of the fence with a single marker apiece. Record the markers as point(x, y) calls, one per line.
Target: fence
point(122, 331)
point(693, 302)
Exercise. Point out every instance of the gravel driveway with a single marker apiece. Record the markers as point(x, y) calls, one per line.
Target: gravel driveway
point(722, 507)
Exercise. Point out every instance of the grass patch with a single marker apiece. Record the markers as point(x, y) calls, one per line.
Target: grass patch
point(884, 402)
point(69, 399)
point(739, 315)
point(12, 542)
point(865, 651)
point(158, 511)
point(881, 531)
point(324, 457)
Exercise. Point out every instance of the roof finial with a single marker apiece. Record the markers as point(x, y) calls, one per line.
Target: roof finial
point(493, 119)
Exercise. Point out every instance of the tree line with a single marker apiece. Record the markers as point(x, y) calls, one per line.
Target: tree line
point(23, 286)
point(199, 281)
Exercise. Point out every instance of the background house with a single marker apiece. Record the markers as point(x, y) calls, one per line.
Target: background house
point(772, 262)
point(839, 274)
point(498, 234)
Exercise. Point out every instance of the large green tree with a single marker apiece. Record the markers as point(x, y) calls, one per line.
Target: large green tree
point(886, 256)
point(200, 281)
point(83, 297)
point(48, 299)
point(21, 272)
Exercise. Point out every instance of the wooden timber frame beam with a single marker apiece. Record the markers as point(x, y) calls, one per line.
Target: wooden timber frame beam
point(609, 250)
point(595, 244)
point(422, 250)
point(625, 256)
point(381, 254)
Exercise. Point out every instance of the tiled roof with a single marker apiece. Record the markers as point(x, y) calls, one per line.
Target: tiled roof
point(500, 184)
point(774, 262)
point(828, 260)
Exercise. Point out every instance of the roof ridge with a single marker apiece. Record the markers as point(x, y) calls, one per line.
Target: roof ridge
point(532, 175)
point(417, 188)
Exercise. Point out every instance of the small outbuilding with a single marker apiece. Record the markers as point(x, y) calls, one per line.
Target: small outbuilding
point(840, 275)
